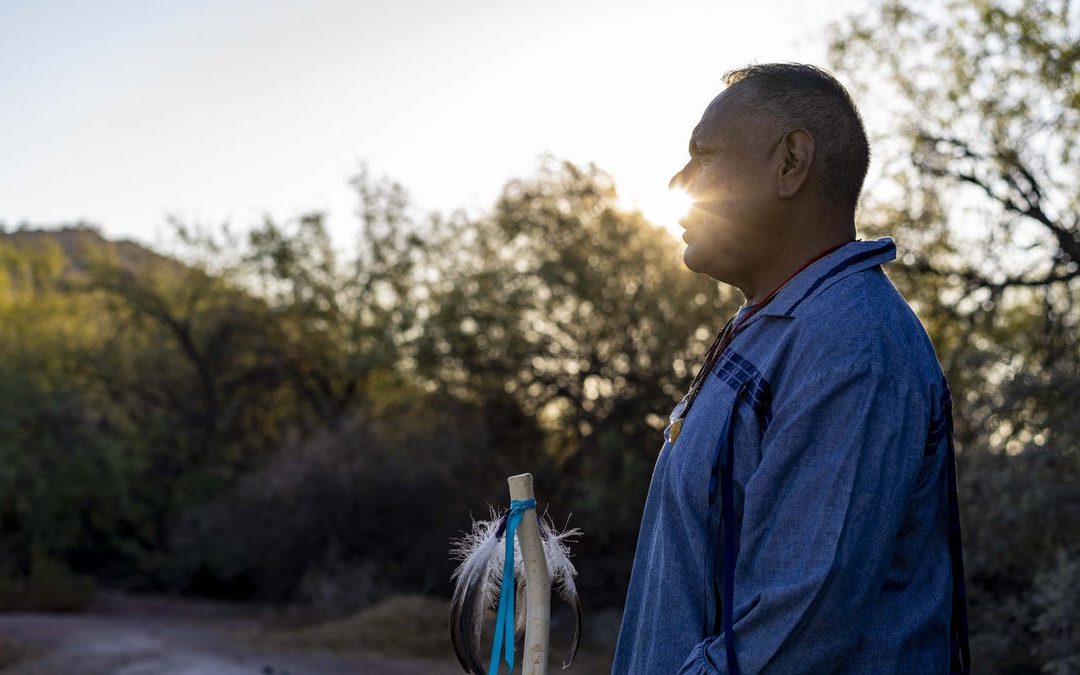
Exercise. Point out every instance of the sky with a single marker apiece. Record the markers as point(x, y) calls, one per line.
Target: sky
point(123, 114)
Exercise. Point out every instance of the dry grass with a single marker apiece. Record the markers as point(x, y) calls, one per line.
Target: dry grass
point(414, 626)
point(401, 626)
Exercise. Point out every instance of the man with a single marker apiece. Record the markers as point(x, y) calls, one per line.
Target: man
point(801, 516)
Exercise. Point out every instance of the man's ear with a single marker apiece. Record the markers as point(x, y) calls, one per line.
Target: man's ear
point(796, 157)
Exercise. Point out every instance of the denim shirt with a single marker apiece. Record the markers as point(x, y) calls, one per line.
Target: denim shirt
point(837, 409)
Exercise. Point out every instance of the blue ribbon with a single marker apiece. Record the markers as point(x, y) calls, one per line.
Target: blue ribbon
point(504, 623)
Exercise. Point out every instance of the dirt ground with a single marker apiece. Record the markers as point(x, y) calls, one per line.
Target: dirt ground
point(122, 635)
point(146, 635)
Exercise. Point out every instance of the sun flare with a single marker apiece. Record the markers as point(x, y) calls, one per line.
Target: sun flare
point(666, 208)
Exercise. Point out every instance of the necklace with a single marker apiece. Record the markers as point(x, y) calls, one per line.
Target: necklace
point(721, 342)
point(711, 357)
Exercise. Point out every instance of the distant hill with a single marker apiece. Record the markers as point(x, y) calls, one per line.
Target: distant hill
point(81, 244)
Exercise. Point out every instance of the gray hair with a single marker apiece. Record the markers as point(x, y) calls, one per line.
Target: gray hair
point(786, 96)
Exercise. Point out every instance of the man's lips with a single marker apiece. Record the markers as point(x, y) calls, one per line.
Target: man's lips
point(690, 223)
point(694, 216)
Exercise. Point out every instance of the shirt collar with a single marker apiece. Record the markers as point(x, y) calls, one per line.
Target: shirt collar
point(848, 259)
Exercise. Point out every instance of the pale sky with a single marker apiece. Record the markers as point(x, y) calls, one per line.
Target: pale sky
point(120, 113)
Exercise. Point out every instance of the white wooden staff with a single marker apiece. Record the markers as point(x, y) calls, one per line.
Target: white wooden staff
point(541, 560)
point(537, 582)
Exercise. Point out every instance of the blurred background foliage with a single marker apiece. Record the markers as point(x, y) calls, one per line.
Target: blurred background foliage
point(981, 188)
point(262, 417)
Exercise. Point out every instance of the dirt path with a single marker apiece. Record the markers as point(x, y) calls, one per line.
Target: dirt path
point(144, 636)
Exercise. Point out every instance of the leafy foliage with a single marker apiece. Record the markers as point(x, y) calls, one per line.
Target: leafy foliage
point(222, 407)
point(979, 181)
point(264, 416)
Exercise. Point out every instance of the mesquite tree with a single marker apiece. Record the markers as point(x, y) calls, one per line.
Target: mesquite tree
point(975, 110)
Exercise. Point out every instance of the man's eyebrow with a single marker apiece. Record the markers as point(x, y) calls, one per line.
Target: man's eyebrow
point(696, 150)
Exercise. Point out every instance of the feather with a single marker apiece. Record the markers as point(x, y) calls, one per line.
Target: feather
point(476, 583)
point(478, 578)
point(562, 573)
point(520, 614)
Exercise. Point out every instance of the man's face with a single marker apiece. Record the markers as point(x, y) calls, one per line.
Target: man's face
point(732, 228)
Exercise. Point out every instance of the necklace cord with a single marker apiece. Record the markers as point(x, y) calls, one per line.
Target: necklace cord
point(731, 329)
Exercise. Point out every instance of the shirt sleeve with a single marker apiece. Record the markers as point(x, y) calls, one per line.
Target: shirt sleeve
point(819, 522)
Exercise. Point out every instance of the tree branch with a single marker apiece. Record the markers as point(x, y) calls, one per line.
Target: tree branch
point(1011, 167)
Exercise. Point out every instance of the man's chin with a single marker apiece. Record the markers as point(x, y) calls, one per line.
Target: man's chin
point(696, 261)
point(691, 258)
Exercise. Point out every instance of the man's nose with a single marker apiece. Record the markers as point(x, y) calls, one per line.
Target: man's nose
point(676, 181)
point(680, 179)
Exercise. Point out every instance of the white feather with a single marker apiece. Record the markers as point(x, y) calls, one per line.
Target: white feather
point(562, 572)
point(557, 552)
point(478, 580)
point(476, 587)
point(477, 551)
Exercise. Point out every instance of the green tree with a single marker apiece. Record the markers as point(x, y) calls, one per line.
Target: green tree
point(976, 110)
point(61, 482)
point(564, 306)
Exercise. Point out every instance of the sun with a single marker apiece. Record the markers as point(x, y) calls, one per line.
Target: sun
point(665, 208)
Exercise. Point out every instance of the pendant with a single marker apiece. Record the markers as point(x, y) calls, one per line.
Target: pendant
point(676, 427)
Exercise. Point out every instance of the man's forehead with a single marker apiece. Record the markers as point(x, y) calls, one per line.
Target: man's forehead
point(720, 115)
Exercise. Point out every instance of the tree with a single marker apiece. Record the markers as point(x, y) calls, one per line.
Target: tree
point(62, 482)
point(563, 306)
point(224, 359)
point(980, 128)
point(976, 106)
point(271, 409)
